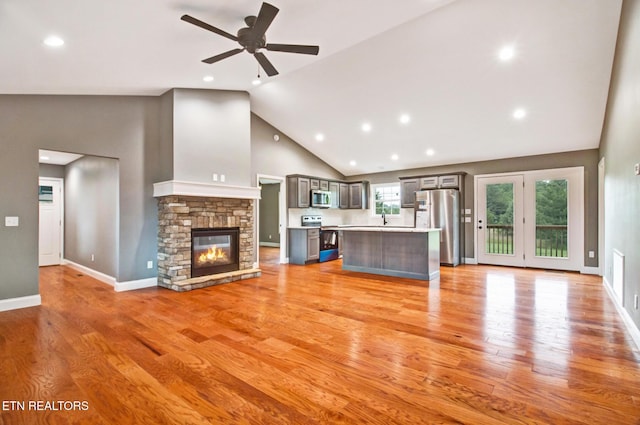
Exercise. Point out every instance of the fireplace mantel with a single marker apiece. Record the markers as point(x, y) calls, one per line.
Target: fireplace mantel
point(175, 187)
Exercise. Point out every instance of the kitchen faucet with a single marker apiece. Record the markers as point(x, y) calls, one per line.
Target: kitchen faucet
point(384, 219)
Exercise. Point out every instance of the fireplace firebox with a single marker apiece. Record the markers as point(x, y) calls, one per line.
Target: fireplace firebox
point(214, 251)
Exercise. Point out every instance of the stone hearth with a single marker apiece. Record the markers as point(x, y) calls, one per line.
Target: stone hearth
point(177, 215)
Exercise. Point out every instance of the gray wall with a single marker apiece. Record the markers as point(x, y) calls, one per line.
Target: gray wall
point(283, 157)
point(269, 226)
point(587, 158)
point(212, 134)
point(91, 213)
point(620, 148)
point(51, 170)
point(121, 127)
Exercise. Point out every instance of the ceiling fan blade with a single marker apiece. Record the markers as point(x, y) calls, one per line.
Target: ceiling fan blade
point(221, 56)
point(208, 27)
point(293, 48)
point(265, 17)
point(265, 64)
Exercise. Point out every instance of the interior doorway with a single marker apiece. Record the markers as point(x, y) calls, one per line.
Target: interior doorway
point(271, 213)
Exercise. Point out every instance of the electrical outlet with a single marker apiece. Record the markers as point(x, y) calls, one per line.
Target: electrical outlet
point(222, 178)
point(11, 221)
point(215, 177)
point(592, 254)
point(93, 257)
point(269, 236)
point(636, 169)
point(149, 264)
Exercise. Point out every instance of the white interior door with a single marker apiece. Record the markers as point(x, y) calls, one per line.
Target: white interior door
point(50, 228)
point(499, 223)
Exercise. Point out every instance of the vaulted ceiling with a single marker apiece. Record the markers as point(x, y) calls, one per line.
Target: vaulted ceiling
point(425, 75)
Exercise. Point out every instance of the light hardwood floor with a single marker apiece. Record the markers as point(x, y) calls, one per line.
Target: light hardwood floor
point(314, 344)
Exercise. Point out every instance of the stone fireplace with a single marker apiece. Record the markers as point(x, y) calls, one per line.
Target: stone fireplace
point(224, 237)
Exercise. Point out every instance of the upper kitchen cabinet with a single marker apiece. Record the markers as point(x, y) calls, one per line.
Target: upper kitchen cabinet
point(343, 201)
point(344, 195)
point(334, 188)
point(359, 195)
point(410, 185)
point(298, 192)
point(408, 189)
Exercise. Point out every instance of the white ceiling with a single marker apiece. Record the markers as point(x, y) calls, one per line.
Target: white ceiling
point(435, 60)
point(56, 158)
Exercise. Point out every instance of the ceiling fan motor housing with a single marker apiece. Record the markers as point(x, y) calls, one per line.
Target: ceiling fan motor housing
point(247, 39)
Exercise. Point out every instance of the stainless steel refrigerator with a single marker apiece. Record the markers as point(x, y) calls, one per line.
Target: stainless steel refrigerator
point(440, 208)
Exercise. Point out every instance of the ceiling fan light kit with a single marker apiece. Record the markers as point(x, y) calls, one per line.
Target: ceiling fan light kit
point(252, 39)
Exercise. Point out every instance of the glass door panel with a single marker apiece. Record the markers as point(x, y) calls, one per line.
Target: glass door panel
point(551, 218)
point(499, 226)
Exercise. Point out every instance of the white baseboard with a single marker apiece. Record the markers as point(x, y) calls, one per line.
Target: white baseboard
point(469, 261)
point(109, 280)
point(20, 302)
point(628, 322)
point(136, 284)
point(590, 270)
point(270, 244)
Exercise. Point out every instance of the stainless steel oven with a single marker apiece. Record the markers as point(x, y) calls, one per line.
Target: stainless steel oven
point(328, 245)
point(328, 238)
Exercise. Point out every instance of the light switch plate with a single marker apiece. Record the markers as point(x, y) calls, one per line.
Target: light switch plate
point(12, 221)
point(636, 169)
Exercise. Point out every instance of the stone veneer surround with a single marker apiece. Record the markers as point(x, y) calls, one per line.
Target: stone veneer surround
point(178, 214)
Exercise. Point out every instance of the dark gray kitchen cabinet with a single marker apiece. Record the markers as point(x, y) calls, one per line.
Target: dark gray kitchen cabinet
point(298, 192)
point(304, 245)
point(407, 192)
point(344, 196)
point(355, 195)
point(334, 188)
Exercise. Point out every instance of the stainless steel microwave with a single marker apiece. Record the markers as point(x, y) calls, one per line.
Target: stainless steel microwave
point(320, 199)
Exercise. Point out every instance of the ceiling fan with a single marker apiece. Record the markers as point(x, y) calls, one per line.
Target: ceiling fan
point(252, 39)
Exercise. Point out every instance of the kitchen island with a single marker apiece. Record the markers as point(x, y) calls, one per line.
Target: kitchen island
point(392, 251)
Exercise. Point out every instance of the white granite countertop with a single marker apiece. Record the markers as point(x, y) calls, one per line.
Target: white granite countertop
point(403, 229)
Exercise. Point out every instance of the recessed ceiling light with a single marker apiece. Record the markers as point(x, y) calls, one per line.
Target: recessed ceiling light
point(506, 53)
point(395, 157)
point(430, 152)
point(352, 163)
point(207, 78)
point(319, 137)
point(366, 127)
point(519, 113)
point(53, 41)
point(256, 82)
point(405, 118)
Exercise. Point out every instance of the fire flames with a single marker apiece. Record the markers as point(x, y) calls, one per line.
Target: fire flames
point(212, 255)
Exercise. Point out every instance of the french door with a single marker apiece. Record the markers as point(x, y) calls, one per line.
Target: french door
point(500, 220)
point(531, 219)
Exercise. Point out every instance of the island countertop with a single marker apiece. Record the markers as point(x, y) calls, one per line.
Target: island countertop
point(403, 229)
point(392, 251)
